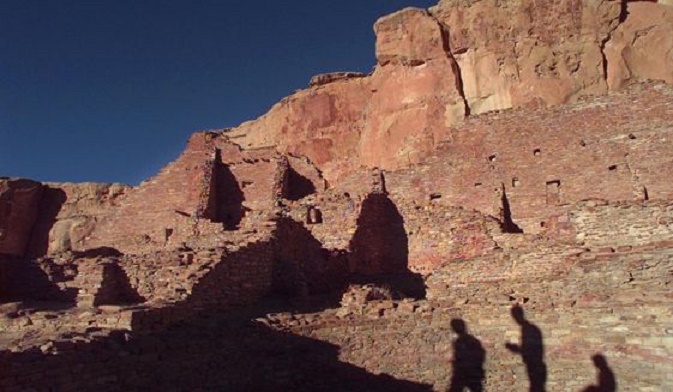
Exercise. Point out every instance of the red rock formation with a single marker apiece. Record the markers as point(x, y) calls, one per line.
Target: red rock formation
point(69, 212)
point(463, 57)
point(642, 46)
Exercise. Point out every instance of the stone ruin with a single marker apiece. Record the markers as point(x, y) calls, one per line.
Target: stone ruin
point(490, 208)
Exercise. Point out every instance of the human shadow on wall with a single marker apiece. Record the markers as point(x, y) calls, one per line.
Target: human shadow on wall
point(606, 381)
point(221, 352)
point(51, 203)
point(531, 350)
point(379, 249)
point(468, 360)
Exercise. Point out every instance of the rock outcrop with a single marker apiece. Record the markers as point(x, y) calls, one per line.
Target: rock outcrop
point(69, 212)
point(642, 46)
point(45, 218)
point(464, 58)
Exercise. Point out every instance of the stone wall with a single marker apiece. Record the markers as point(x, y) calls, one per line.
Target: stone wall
point(624, 224)
point(204, 197)
point(385, 344)
point(414, 341)
point(539, 161)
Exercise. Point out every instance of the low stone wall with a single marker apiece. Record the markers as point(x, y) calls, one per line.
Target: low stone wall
point(415, 341)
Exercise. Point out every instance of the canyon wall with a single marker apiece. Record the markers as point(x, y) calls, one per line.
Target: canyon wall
point(458, 59)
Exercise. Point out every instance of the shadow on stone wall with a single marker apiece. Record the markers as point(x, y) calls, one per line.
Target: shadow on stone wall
point(51, 203)
point(379, 249)
point(468, 360)
point(101, 251)
point(297, 186)
point(28, 280)
point(225, 203)
point(606, 381)
point(218, 353)
point(302, 266)
point(531, 350)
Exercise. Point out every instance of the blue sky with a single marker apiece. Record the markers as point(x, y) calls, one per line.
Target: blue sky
point(109, 91)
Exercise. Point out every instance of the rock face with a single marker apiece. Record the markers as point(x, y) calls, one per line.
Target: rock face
point(642, 46)
point(515, 53)
point(459, 58)
point(19, 204)
point(37, 219)
point(385, 120)
point(69, 212)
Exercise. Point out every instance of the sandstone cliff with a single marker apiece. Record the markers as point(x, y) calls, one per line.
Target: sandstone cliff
point(464, 58)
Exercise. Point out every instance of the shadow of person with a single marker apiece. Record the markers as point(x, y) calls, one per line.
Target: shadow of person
point(531, 350)
point(468, 360)
point(606, 378)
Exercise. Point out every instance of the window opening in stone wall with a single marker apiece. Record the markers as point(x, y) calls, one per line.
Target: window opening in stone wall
point(515, 182)
point(537, 152)
point(645, 194)
point(168, 233)
point(297, 186)
point(632, 136)
point(492, 158)
point(477, 184)
point(553, 192)
point(612, 167)
point(435, 196)
point(313, 215)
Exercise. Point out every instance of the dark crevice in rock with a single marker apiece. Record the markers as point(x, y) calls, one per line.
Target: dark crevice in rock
point(446, 45)
point(623, 14)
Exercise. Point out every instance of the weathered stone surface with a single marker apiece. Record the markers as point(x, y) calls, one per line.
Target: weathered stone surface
point(642, 47)
point(408, 37)
point(416, 91)
point(516, 53)
point(462, 58)
point(331, 77)
point(19, 205)
point(69, 212)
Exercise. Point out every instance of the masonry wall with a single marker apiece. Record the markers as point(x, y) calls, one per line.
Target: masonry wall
point(429, 232)
point(167, 201)
point(612, 147)
point(622, 224)
point(391, 345)
point(414, 342)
